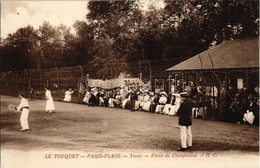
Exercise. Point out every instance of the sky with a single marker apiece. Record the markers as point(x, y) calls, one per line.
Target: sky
point(17, 14)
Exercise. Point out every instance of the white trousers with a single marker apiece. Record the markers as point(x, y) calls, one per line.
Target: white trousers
point(24, 119)
point(186, 136)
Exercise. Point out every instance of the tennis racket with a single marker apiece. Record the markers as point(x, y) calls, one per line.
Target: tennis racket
point(11, 107)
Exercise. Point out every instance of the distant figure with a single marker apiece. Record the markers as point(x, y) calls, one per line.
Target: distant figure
point(222, 101)
point(173, 90)
point(32, 94)
point(68, 93)
point(49, 101)
point(213, 100)
point(24, 108)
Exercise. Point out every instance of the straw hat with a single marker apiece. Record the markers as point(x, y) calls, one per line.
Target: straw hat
point(163, 93)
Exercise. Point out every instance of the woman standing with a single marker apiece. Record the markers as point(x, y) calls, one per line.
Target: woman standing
point(68, 93)
point(49, 101)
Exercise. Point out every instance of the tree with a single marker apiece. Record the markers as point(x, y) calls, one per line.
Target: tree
point(67, 44)
point(218, 19)
point(106, 59)
point(56, 46)
point(152, 34)
point(18, 49)
point(115, 26)
point(84, 43)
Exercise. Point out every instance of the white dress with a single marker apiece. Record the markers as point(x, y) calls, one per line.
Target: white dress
point(49, 101)
point(159, 107)
point(87, 97)
point(67, 97)
point(146, 103)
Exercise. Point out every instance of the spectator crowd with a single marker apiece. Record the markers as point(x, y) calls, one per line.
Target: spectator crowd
point(209, 102)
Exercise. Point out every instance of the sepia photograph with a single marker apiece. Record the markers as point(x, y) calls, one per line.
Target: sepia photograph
point(129, 84)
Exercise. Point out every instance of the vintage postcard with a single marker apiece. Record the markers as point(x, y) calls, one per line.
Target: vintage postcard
point(129, 84)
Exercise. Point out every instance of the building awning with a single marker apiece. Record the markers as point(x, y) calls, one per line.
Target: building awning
point(227, 55)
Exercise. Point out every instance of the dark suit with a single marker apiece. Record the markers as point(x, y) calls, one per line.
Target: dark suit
point(185, 113)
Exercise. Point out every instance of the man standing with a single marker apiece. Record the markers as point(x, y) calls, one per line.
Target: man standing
point(185, 122)
point(24, 108)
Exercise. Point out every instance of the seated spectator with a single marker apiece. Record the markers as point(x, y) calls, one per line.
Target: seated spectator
point(179, 88)
point(188, 89)
point(127, 98)
point(105, 98)
point(96, 94)
point(87, 97)
point(170, 103)
point(252, 113)
point(139, 100)
point(92, 99)
point(111, 98)
point(235, 110)
point(130, 100)
point(123, 92)
point(162, 102)
point(146, 101)
point(154, 99)
point(116, 100)
point(101, 98)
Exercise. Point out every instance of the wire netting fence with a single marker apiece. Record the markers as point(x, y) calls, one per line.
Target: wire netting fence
point(62, 78)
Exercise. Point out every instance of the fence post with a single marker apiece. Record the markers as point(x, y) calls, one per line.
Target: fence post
point(24, 80)
point(58, 76)
point(29, 79)
point(111, 70)
point(150, 73)
point(81, 72)
point(39, 83)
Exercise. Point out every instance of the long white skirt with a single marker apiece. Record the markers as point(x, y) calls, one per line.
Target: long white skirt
point(49, 105)
point(167, 108)
point(67, 98)
point(174, 109)
point(146, 106)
